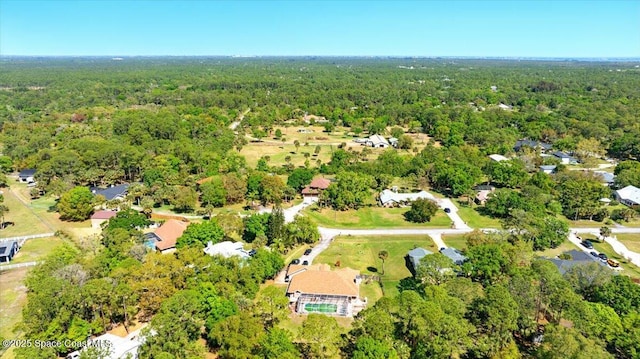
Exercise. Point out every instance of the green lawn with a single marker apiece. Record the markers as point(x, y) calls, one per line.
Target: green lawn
point(26, 221)
point(13, 296)
point(456, 241)
point(372, 217)
point(630, 240)
point(36, 249)
point(361, 253)
point(475, 219)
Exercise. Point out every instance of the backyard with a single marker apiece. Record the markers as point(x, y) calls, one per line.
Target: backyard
point(361, 253)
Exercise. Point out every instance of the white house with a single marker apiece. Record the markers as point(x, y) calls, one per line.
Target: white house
point(565, 158)
point(227, 249)
point(27, 175)
point(498, 158)
point(389, 198)
point(629, 196)
point(377, 141)
point(117, 347)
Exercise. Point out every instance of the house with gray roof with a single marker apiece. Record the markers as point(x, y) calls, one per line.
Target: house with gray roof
point(455, 255)
point(8, 249)
point(577, 258)
point(416, 254)
point(27, 175)
point(118, 192)
point(565, 158)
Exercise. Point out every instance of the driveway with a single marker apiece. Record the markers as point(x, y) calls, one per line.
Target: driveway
point(291, 212)
point(453, 214)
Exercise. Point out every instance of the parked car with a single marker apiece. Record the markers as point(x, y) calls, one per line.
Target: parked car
point(595, 254)
point(613, 263)
point(603, 257)
point(587, 244)
point(305, 263)
point(307, 252)
point(447, 210)
point(295, 261)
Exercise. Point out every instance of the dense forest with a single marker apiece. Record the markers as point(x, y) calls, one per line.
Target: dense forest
point(165, 125)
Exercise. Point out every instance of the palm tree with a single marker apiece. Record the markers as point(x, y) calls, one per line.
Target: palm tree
point(383, 255)
point(605, 232)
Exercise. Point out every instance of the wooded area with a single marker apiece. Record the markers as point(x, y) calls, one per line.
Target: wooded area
point(174, 129)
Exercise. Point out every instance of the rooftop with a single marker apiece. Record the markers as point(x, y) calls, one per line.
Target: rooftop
point(226, 249)
point(112, 192)
point(321, 280)
point(388, 195)
point(27, 172)
point(498, 158)
point(629, 193)
point(168, 233)
point(320, 183)
point(104, 215)
point(4, 246)
point(455, 255)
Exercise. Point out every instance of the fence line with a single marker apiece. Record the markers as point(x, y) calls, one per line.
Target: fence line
point(24, 238)
point(17, 265)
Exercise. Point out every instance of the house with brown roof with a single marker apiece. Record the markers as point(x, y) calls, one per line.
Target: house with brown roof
point(318, 289)
point(167, 235)
point(99, 217)
point(315, 187)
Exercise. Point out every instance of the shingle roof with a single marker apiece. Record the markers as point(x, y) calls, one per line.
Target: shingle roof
point(416, 254)
point(104, 215)
point(110, 193)
point(455, 255)
point(577, 258)
point(311, 281)
point(169, 232)
point(27, 172)
point(320, 183)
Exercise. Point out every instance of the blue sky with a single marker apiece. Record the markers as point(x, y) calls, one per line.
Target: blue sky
point(511, 28)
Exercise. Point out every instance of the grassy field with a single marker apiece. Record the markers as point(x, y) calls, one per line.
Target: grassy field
point(554, 252)
point(630, 240)
point(456, 241)
point(26, 221)
point(36, 249)
point(475, 219)
point(372, 217)
point(13, 296)
point(361, 253)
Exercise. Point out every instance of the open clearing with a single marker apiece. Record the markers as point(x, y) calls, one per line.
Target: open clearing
point(372, 217)
point(361, 253)
point(26, 221)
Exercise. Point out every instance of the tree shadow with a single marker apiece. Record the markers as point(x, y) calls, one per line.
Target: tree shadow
point(372, 269)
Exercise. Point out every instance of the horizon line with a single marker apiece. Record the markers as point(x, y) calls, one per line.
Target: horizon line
point(469, 57)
